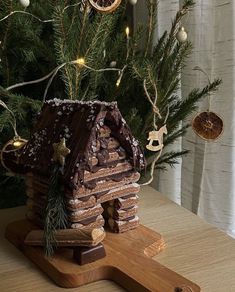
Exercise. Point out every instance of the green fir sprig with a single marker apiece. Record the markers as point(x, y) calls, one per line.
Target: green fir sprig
point(55, 213)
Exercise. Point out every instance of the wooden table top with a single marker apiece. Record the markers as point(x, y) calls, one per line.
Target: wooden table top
point(195, 249)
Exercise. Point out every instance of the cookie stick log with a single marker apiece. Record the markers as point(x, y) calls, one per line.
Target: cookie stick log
point(68, 237)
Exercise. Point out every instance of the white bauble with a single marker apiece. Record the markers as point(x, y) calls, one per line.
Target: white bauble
point(113, 64)
point(25, 3)
point(182, 35)
point(133, 2)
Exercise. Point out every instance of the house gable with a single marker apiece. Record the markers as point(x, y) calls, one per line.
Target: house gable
point(80, 124)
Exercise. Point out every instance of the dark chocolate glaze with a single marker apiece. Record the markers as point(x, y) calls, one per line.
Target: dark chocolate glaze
point(88, 221)
point(101, 194)
point(85, 255)
point(129, 218)
point(79, 123)
point(106, 165)
point(128, 196)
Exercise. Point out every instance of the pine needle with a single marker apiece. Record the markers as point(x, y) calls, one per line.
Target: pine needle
point(55, 214)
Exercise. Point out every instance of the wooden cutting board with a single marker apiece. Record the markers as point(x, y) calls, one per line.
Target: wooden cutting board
point(128, 262)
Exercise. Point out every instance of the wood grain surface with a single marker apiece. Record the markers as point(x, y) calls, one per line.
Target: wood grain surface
point(127, 261)
point(195, 249)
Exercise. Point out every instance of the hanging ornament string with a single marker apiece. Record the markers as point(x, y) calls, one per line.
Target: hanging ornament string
point(13, 123)
point(121, 72)
point(197, 68)
point(155, 135)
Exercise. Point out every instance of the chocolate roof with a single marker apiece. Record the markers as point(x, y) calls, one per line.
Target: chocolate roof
point(78, 122)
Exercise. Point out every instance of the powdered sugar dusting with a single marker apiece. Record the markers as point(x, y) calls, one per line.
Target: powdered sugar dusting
point(58, 102)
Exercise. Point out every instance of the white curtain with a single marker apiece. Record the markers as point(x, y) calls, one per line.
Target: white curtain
point(204, 180)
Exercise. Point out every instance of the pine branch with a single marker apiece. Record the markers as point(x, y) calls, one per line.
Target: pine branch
point(184, 108)
point(23, 108)
point(158, 50)
point(173, 135)
point(55, 214)
point(169, 79)
point(152, 12)
point(170, 158)
point(60, 46)
point(171, 41)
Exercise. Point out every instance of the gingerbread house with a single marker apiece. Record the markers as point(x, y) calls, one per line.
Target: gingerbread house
point(100, 173)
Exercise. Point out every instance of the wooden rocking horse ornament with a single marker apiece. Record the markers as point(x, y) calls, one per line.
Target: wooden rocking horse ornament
point(156, 136)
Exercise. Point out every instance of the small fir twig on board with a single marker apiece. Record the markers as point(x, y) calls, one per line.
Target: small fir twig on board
point(55, 214)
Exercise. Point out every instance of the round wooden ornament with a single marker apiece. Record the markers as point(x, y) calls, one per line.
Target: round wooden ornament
point(208, 125)
point(105, 5)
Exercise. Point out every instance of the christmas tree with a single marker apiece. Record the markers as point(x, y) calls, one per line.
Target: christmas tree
point(86, 54)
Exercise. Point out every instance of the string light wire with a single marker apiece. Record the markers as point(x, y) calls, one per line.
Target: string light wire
point(81, 62)
point(27, 13)
point(52, 74)
point(13, 123)
point(36, 17)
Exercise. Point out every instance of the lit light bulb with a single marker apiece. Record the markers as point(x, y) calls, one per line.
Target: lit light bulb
point(80, 61)
point(127, 31)
point(118, 82)
point(17, 144)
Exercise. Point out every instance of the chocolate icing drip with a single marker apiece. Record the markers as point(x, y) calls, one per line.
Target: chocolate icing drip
point(107, 165)
point(120, 176)
point(127, 209)
point(90, 184)
point(101, 194)
point(129, 219)
point(85, 199)
point(128, 196)
point(121, 151)
point(103, 143)
point(88, 221)
point(103, 156)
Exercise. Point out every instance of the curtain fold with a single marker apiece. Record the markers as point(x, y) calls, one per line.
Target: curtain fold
point(204, 180)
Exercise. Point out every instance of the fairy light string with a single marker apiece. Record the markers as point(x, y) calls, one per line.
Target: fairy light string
point(52, 74)
point(80, 62)
point(26, 13)
point(36, 17)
